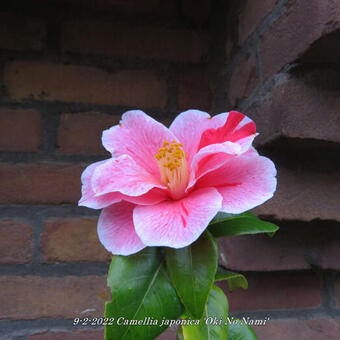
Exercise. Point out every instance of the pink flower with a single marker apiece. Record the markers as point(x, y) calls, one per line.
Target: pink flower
point(163, 186)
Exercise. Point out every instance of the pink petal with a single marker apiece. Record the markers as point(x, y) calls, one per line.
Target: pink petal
point(88, 198)
point(177, 224)
point(251, 152)
point(139, 136)
point(196, 129)
point(123, 174)
point(188, 127)
point(92, 200)
point(246, 142)
point(152, 197)
point(245, 182)
point(212, 156)
point(237, 126)
point(116, 230)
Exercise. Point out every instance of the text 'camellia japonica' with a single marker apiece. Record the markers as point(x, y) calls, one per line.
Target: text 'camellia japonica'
point(162, 186)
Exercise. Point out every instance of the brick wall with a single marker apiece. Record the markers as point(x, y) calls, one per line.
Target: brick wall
point(282, 69)
point(69, 69)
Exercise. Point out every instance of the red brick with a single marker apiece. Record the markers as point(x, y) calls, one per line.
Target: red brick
point(81, 133)
point(68, 297)
point(19, 130)
point(337, 292)
point(297, 108)
point(279, 291)
point(196, 10)
point(304, 195)
point(229, 45)
point(18, 32)
point(98, 334)
point(73, 83)
point(246, 253)
point(72, 239)
point(93, 37)
point(252, 15)
point(330, 253)
point(296, 246)
point(40, 183)
point(88, 334)
point(243, 80)
point(315, 329)
point(326, 50)
point(194, 92)
point(309, 112)
point(16, 245)
point(130, 8)
point(293, 33)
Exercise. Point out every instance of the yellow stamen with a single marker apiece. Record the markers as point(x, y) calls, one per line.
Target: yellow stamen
point(172, 163)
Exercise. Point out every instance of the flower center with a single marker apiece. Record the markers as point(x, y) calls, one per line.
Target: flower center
point(173, 167)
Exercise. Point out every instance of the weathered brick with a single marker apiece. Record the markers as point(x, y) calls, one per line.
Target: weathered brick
point(19, 130)
point(295, 246)
point(27, 80)
point(304, 195)
point(129, 8)
point(196, 10)
point(245, 253)
point(279, 291)
point(16, 244)
point(243, 80)
point(81, 133)
point(18, 32)
point(42, 183)
point(106, 38)
point(68, 297)
point(330, 253)
point(326, 50)
point(229, 45)
point(194, 92)
point(314, 329)
point(309, 112)
point(252, 15)
point(302, 107)
point(292, 34)
point(72, 239)
point(88, 334)
point(337, 291)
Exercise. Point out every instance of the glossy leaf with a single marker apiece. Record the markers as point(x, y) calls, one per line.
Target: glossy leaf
point(216, 310)
point(224, 225)
point(141, 290)
point(221, 216)
point(235, 280)
point(241, 331)
point(192, 271)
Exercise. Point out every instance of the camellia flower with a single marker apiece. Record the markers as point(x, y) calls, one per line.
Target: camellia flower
point(163, 186)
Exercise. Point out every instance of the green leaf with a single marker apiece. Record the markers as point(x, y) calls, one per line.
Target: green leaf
point(192, 271)
point(235, 280)
point(222, 216)
point(232, 225)
point(213, 325)
point(141, 290)
point(240, 331)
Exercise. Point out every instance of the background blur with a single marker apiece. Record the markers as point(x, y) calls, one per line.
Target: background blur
point(70, 68)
